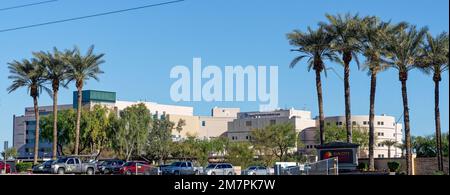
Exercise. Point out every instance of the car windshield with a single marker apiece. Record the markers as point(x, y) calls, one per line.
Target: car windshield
point(251, 168)
point(211, 166)
point(48, 162)
point(128, 164)
point(176, 164)
point(61, 160)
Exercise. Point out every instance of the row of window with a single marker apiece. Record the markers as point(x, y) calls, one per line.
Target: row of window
point(249, 123)
point(246, 137)
point(28, 150)
point(380, 123)
point(311, 146)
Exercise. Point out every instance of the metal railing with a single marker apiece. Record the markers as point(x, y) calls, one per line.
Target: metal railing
point(323, 167)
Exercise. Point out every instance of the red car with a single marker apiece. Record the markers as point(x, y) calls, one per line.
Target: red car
point(2, 167)
point(129, 168)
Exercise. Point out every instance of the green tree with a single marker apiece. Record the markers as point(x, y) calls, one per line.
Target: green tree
point(336, 133)
point(434, 60)
point(278, 139)
point(240, 154)
point(346, 33)
point(159, 139)
point(81, 69)
point(66, 127)
point(374, 32)
point(56, 69)
point(403, 54)
point(10, 153)
point(31, 75)
point(315, 45)
point(181, 123)
point(389, 144)
point(133, 132)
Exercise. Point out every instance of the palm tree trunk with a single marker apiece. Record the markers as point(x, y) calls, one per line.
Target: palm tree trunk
point(77, 131)
point(348, 124)
point(36, 133)
point(55, 123)
point(320, 102)
point(373, 87)
point(407, 128)
point(438, 126)
point(389, 152)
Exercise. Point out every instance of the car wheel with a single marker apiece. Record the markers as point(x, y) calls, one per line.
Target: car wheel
point(254, 173)
point(106, 172)
point(60, 171)
point(213, 173)
point(197, 173)
point(230, 173)
point(90, 171)
point(176, 173)
point(128, 173)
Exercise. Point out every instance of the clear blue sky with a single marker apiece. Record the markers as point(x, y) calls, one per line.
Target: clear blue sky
point(142, 46)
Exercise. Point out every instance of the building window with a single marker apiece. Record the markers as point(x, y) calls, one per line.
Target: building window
point(380, 134)
point(248, 123)
point(365, 122)
point(380, 155)
point(354, 123)
point(382, 123)
point(203, 123)
point(337, 123)
point(273, 122)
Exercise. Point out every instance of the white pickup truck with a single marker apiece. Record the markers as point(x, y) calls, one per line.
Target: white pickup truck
point(72, 165)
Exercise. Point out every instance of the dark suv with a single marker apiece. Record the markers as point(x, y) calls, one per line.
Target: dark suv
point(110, 166)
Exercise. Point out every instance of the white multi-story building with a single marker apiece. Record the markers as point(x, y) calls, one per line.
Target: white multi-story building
point(386, 128)
point(241, 128)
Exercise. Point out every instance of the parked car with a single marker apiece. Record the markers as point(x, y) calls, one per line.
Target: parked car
point(135, 168)
point(111, 166)
point(2, 167)
point(256, 170)
point(45, 167)
point(219, 169)
point(180, 168)
point(72, 165)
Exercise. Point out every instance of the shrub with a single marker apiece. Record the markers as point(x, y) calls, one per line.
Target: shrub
point(438, 173)
point(393, 166)
point(23, 166)
point(363, 166)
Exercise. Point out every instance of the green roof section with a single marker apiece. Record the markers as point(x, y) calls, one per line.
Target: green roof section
point(94, 96)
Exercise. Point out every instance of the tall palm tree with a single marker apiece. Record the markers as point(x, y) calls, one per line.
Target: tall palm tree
point(403, 53)
point(55, 69)
point(82, 68)
point(374, 32)
point(389, 144)
point(29, 74)
point(434, 60)
point(346, 33)
point(315, 45)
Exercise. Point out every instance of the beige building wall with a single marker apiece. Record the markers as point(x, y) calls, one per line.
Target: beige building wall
point(190, 129)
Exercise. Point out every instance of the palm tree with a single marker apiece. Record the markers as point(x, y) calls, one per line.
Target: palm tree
point(346, 33)
point(389, 144)
point(55, 69)
point(403, 53)
point(315, 45)
point(29, 74)
point(374, 32)
point(82, 68)
point(434, 60)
